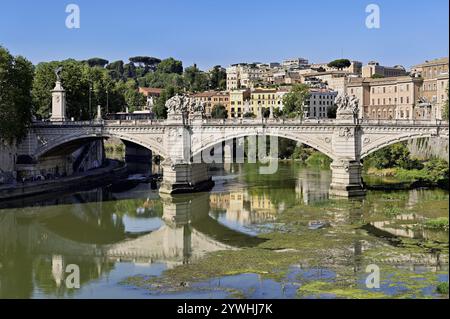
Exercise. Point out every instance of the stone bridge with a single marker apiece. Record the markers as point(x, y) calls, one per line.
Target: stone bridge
point(180, 142)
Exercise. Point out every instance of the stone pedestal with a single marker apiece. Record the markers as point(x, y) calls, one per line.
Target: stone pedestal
point(58, 103)
point(346, 179)
point(181, 178)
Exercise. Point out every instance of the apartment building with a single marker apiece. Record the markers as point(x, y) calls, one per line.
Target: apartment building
point(266, 99)
point(320, 100)
point(435, 80)
point(388, 98)
point(374, 68)
point(211, 99)
point(295, 63)
point(239, 99)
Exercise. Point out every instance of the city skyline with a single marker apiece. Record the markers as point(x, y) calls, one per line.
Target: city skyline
point(251, 32)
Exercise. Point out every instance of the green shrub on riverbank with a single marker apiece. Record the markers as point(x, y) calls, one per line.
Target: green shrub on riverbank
point(318, 159)
point(437, 224)
point(395, 161)
point(442, 288)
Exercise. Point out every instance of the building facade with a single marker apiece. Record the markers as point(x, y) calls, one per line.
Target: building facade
point(319, 102)
point(387, 98)
point(210, 99)
point(374, 68)
point(239, 99)
point(435, 80)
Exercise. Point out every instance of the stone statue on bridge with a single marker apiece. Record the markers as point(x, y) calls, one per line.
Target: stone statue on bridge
point(347, 107)
point(423, 102)
point(58, 73)
point(183, 106)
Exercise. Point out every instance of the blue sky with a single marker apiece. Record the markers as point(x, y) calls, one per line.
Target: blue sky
point(210, 32)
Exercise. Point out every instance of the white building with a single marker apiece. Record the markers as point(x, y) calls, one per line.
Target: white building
point(319, 102)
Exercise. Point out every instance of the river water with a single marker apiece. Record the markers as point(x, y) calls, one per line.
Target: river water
point(252, 236)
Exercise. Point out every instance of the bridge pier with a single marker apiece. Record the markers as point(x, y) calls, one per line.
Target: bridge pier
point(185, 178)
point(346, 180)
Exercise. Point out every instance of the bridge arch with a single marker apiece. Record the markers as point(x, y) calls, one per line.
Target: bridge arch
point(390, 140)
point(148, 143)
point(310, 140)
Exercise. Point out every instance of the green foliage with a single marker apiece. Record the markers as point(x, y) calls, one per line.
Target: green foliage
point(77, 79)
point(161, 80)
point(146, 63)
point(437, 171)
point(437, 223)
point(170, 65)
point(339, 64)
point(97, 62)
point(293, 101)
point(302, 152)
point(286, 147)
point(219, 112)
point(396, 155)
point(442, 288)
point(133, 99)
point(317, 159)
point(218, 78)
point(331, 112)
point(16, 76)
point(377, 76)
point(277, 112)
point(195, 80)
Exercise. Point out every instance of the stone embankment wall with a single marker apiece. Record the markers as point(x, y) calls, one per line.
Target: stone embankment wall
point(427, 148)
point(8, 154)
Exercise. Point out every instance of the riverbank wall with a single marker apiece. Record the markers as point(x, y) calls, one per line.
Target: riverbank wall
point(99, 176)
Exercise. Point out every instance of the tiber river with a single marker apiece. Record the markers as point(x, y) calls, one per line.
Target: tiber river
point(252, 236)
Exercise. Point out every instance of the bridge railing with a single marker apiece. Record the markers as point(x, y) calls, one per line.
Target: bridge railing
point(245, 121)
point(68, 123)
point(403, 122)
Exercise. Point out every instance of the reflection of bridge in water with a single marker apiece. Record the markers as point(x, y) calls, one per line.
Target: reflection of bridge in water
point(94, 235)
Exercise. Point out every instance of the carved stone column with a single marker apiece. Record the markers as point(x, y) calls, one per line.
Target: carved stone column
point(58, 103)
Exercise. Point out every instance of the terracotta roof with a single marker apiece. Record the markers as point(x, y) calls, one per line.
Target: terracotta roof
point(147, 91)
point(210, 94)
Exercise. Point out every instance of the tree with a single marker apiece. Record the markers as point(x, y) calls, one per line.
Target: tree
point(218, 78)
point(97, 62)
point(332, 111)
point(16, 77)
point(340, 64)
point(170, 65)
point(377, 76)
point(129, 71)
point(133, 98)
point(219, 112)
point(294, 101)
point(396, 155)
point(249, 115)
point(195, 80)
point(116, 70)
point(80, 82)
point(146, 62)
